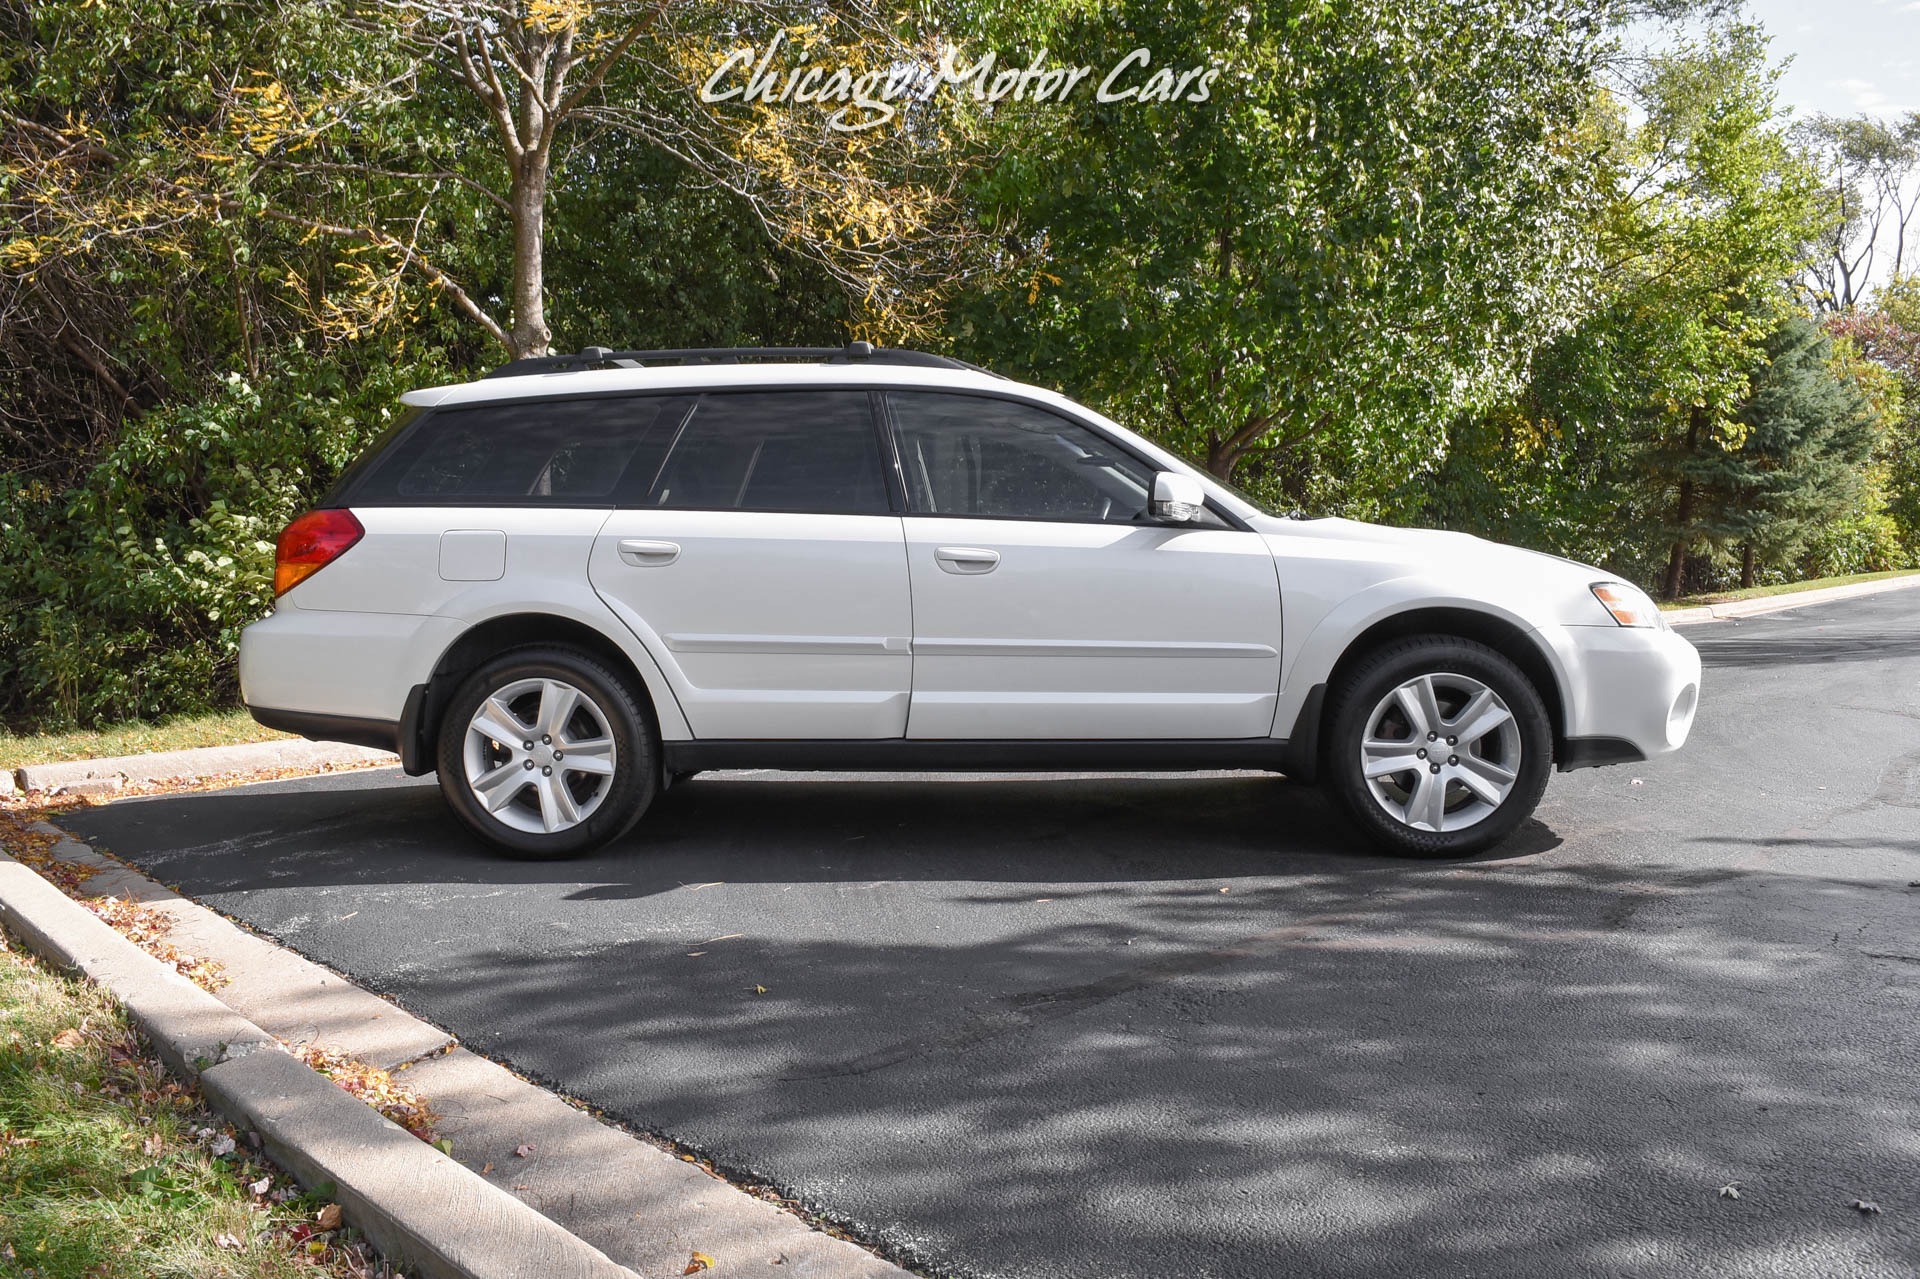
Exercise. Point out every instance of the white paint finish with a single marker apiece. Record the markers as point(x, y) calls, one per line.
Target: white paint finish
point(787, 626)
point(473, 555)
point(1092, 631)
point(770, 625)
point(1624, 682)
point(334, 662)
point(395, 567)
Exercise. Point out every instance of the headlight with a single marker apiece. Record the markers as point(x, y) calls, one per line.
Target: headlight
point(1629, 605)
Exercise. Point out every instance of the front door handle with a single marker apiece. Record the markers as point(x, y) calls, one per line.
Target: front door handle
point(966, 559)
point(645, 554)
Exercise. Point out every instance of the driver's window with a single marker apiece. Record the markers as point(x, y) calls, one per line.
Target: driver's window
point(973, 455)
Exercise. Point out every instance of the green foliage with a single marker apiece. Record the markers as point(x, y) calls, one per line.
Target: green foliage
point(1426, 260)
point(130, 588)
point(1367, 226)
point(1800, 464)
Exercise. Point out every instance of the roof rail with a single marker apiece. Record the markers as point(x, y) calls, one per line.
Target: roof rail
point(853, 352)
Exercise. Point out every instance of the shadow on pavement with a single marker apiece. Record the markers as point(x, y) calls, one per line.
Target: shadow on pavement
point(733, 828)
point(1423, 1073)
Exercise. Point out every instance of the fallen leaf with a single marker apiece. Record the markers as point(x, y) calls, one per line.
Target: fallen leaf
point(521, 1152)
point(445, 1146)
point(222, 1145)
point(1730, 1191)
point(485, 1169)
point(328, 1218)
point(1866, 1206)
point(697, 1262)
point(759, 990)
point(68, 1038)
point(228, 1242)
point(261, 1186)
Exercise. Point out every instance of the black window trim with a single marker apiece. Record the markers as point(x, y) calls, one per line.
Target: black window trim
point(895, 504)
point(892, 469)
point(1124, 447)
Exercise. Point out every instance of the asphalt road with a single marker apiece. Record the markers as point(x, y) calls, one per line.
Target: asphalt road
point(1141, 1026)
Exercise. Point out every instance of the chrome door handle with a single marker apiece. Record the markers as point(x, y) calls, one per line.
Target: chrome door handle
point(644, 554)
point(966, 559)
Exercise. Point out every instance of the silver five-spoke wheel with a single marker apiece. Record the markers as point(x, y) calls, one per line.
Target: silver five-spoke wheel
point(540, 755)
point(1441, 752)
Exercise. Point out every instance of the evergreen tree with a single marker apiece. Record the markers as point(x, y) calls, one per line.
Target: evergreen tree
point(1802, 461)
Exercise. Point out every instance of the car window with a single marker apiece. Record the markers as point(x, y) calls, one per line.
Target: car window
point(563, 452)
point(978, 456)
point(804, 451)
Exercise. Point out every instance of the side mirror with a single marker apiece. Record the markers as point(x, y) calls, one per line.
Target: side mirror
point(1177, 499)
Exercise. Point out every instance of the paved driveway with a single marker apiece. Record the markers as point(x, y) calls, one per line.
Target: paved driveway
point(1143, 1026)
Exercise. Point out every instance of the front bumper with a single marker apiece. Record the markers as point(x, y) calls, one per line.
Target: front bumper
point(1628, 692)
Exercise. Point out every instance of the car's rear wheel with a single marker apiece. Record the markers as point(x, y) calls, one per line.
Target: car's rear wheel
point(547, 753)
point(1437, 746)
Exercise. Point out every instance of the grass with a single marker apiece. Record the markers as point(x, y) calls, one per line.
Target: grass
point(110, 1169)
point(1783, 588)
point(136, 737)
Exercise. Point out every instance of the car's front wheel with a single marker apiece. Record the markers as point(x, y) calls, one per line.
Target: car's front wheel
point(547, 753)
point(1437, 746)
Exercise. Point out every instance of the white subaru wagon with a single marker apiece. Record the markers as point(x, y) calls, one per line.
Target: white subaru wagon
point(583, 577)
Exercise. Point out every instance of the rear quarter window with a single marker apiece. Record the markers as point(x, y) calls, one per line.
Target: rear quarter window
point(575, 452)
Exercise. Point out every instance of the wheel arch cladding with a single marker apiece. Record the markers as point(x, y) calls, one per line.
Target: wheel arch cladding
point(1498, 634)
point(489, 639)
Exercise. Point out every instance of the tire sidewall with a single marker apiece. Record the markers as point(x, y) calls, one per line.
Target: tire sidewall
point(636, 778)
point(1382, 672)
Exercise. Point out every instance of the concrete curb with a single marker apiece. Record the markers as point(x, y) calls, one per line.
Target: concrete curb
point(1794, 599)
point(418, 1206)
point(202, 761)
point(635, 1201)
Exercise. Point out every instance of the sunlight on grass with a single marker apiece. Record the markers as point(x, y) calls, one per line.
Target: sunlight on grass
point(110, 1168)
point(223, 728)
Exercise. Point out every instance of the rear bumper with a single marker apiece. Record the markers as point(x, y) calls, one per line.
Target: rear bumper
point(1630, 694)
point(320, 727)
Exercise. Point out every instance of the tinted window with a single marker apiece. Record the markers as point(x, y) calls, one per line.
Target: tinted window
point(775, 451)
point(971, 455)
point(566, 452)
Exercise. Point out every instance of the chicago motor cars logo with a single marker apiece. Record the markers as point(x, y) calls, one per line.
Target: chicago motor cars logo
point(868, 99)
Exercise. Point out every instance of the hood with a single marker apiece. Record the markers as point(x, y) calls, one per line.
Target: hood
point(1351, 556)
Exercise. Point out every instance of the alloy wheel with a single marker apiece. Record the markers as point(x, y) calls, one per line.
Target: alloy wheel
point(540, 755)
point(1441, 752)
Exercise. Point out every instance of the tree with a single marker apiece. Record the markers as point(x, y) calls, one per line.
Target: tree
point(1888, 335)
point(404, 132)
point(1611, 450)
point(1868, 165)
point(1801, 461)
point(1370, 221)
point(1715, 216)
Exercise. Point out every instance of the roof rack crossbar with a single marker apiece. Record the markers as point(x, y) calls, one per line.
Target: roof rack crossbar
point(852, 352)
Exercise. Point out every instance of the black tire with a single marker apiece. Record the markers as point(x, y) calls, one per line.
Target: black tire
point(1375, 677)
point(628, 792)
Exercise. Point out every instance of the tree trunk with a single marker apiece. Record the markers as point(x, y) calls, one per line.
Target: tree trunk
point(1677, 557)
point(1746, 566)
point(1221, 460)
point(531, 336)
point(1683, 514)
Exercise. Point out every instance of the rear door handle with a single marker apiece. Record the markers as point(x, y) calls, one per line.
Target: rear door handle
point(645, 554)
point(966, 559)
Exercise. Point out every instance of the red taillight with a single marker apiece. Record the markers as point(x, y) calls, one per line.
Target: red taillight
point(310, 543)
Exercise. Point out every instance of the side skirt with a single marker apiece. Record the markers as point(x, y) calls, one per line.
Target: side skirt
point(904, 755)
